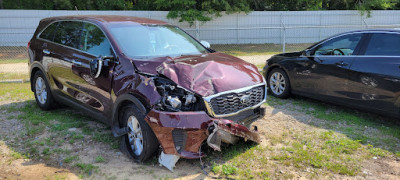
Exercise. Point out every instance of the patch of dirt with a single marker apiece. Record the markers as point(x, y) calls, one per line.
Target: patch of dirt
point(26, 169)
point(21, 68)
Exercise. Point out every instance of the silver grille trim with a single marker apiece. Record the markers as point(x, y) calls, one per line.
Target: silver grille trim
point(209, 105)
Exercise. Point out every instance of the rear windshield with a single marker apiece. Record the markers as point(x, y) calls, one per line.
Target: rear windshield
point(149, 41)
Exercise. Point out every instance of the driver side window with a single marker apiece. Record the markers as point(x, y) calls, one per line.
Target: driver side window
point(93, 41)
point(340, 46)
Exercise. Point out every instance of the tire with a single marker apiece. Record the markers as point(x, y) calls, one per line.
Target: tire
point(41, 89)
point(278, 83)
point(140, 134)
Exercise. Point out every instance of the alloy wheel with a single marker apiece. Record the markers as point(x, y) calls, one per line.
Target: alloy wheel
point(41, 91)
point(135, 135)
point(277, 83)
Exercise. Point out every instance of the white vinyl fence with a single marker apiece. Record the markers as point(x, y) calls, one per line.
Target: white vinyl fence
point(260, 27)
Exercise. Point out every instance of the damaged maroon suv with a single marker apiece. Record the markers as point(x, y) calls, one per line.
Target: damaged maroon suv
point(150, 81)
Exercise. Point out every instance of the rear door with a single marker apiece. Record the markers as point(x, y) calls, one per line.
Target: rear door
point(63, 52)
point(375, 74)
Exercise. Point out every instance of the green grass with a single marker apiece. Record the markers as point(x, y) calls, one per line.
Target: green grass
point(12, 61)
point(13, 76)
point(385, 132)
point(256, 49)
point(15, 92)
point(100, 159)
point(87, 168)
point(323, 152)
point(70, 159)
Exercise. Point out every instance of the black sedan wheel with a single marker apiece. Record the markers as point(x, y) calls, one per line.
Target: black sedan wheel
point(278, 83)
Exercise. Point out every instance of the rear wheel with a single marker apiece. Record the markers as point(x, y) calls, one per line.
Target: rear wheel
point(140, 141)
point(41, 89)
point(278, 83)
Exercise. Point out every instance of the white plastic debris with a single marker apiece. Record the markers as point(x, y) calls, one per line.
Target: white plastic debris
point(168, 160)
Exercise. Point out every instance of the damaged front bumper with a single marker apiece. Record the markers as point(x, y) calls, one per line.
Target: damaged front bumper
point(182, 133)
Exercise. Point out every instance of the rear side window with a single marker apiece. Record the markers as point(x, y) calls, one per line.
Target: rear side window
point(68, 33)
point(384, 44)
point(48, 33)
point(94, 41)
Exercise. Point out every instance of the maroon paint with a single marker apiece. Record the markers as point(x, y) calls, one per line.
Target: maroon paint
point(162, 123)
point(205, 74)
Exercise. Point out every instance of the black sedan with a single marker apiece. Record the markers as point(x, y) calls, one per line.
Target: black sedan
point(358, 69)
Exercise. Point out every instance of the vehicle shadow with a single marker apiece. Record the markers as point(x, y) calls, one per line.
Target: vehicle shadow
point(367, 128)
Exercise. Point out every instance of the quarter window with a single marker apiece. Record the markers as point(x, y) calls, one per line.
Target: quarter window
point(48, 33)
point(94, 41)
point(384, 44)
point(68, 33)
point(343, 45)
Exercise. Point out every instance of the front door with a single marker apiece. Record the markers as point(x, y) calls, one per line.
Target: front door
point(325, 73)
point(94, 93)
point(330, 64)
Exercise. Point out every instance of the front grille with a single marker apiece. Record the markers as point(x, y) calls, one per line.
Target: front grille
point(236, 101)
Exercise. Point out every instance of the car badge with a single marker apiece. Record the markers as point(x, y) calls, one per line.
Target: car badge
point(245, 99)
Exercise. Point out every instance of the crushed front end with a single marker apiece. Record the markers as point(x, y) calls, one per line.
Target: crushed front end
point(183, 120)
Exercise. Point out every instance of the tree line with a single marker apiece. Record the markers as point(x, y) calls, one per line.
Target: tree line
point(202, 10)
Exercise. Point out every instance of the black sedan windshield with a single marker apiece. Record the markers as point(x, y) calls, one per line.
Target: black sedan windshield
point(146, 41)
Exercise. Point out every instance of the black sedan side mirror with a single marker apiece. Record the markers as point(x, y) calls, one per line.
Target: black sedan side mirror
point(307, 52)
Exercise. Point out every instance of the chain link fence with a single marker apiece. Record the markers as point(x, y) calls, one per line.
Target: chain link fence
point(254, 37)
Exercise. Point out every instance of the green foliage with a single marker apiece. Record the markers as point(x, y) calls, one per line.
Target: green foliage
point(195, 10)
point(204, 10)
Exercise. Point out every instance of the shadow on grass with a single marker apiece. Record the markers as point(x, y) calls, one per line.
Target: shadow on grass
point(367, 128)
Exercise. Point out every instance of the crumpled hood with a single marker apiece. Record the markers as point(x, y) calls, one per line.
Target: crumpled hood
point(205, 74)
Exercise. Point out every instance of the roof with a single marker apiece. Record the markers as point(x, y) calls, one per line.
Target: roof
point(371, 31)
point(107, 18)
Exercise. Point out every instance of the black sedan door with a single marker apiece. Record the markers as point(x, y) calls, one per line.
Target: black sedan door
point(329, 66)
point(375, 75)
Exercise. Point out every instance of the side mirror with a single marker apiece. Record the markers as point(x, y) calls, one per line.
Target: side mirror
point(97, 64)
point(307, 52)
point(205, 44)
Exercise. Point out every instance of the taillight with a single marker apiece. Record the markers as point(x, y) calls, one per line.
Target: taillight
point(29, 44)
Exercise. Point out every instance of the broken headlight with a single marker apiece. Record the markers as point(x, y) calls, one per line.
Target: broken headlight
point(175, 98)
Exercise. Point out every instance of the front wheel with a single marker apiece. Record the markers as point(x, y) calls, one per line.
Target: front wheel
point(140, 141)
point(278, 83)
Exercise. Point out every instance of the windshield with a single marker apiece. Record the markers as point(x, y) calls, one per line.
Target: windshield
point(147, 41)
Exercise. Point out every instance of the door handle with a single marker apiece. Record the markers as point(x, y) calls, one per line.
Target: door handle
point(341, 63)
point(77, 63)
point(46, 51)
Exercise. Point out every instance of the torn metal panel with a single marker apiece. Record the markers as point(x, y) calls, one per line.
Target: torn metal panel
point(168, 160)
point(196, 126)
point(194, 123)
point(239, 130)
